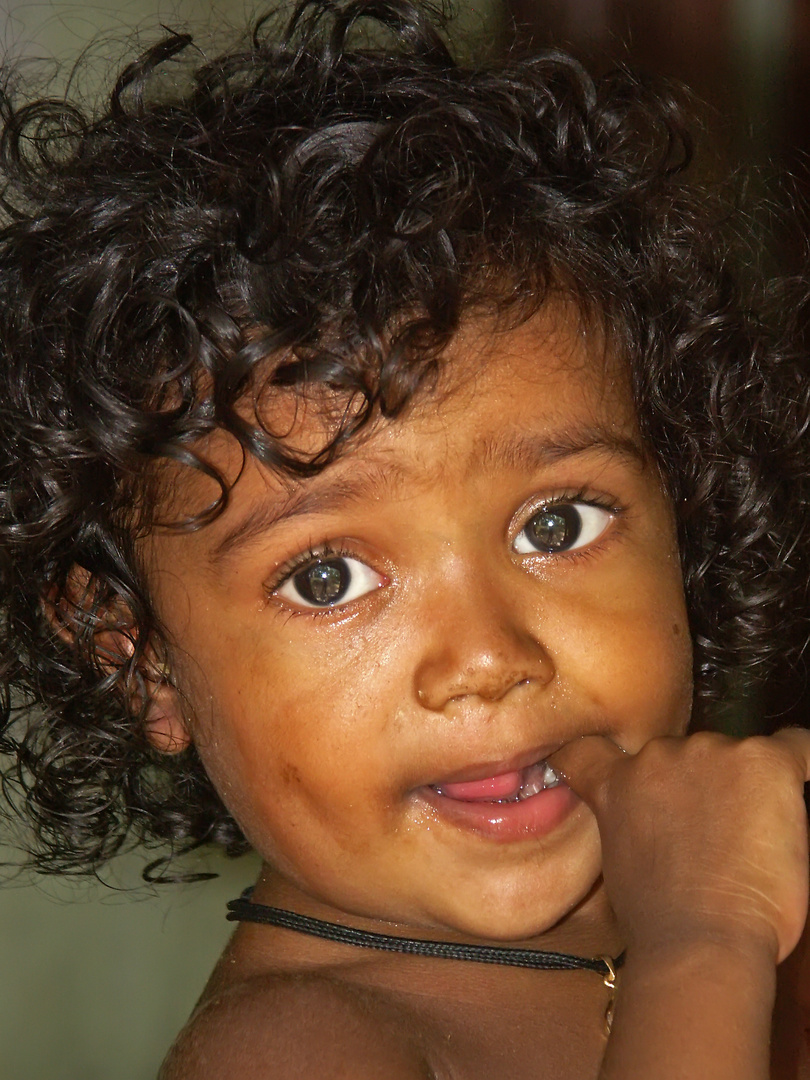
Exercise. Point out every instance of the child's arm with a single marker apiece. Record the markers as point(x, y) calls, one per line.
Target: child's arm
point(706, 863)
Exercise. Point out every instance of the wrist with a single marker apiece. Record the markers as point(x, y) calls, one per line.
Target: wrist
point(712, 999)
point(744, 969)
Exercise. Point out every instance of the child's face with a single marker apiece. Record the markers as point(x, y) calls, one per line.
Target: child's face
point(490, 577)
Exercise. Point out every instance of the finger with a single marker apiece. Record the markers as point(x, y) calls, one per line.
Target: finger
point(798, 742)
point(585, 764)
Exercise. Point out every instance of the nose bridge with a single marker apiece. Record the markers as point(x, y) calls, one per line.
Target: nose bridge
point(478, 641)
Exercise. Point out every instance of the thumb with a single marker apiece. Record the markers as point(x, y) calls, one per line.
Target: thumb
point(585, 765)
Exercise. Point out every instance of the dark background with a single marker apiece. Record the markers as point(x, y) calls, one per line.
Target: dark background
point(749, 60)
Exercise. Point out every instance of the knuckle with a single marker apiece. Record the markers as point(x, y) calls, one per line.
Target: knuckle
point(769, 763)
point(706, 744)
point(764, 751)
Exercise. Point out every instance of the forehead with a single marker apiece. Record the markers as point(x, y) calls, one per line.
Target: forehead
point(556, 365)
point(502, 395)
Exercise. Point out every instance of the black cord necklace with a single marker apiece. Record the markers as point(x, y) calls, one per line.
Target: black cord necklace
point(246, 910)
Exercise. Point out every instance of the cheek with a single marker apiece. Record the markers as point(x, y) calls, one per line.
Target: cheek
point(646, 667)
point(301, 731)
point(626, 645)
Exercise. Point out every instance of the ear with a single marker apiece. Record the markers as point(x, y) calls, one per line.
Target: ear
point(165, 725)
point(103, 627)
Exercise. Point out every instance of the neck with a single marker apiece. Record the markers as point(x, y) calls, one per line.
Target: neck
point(588, 929)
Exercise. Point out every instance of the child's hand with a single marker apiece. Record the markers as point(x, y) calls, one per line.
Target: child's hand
point(703, 837)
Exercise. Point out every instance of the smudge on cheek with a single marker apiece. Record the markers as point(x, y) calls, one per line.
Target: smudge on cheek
point(289, 774)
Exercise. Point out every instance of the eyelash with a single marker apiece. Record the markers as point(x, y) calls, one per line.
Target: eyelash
point(577, 495)
point(326, 550)
point(314, 552)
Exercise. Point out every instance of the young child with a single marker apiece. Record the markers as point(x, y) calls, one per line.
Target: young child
point(393, 473)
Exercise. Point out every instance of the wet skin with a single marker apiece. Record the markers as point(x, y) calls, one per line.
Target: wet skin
point(460, 651)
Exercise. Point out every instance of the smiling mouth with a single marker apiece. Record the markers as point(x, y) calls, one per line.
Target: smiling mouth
point(508, 787)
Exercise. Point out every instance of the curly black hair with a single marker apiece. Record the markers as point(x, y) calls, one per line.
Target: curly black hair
point(319, 208)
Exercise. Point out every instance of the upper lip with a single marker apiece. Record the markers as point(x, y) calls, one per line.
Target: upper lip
point(485, 769)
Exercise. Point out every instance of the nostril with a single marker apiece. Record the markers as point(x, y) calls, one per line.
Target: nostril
point(493, 691)
point(446, 675)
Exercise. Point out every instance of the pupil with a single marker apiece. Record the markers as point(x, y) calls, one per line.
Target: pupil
point(554, 529)
point(323, 582)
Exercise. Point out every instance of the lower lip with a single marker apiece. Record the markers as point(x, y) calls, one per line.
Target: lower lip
point(529, 818)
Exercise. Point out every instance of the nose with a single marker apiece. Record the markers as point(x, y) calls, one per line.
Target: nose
point(478, 646)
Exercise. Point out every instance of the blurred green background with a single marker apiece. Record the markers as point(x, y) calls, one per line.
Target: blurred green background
point(96, 980)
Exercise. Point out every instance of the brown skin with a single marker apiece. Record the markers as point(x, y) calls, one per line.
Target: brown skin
point(459, 654)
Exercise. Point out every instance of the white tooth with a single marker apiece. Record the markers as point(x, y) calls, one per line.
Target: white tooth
point(550, 778)
point(533, 785)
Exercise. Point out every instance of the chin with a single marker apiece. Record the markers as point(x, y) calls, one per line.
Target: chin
point(508, 918)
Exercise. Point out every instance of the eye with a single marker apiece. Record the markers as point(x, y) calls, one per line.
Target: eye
point(329, 581)
point(562, 527)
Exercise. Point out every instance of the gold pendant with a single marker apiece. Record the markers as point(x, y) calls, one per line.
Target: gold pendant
point(610, 983)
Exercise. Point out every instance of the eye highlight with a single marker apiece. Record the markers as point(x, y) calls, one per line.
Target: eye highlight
point(328, 580)
point(562, 526)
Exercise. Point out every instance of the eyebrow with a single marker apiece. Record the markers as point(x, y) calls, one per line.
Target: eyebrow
point(524, 450)
point(340, 491)
point(374, 479)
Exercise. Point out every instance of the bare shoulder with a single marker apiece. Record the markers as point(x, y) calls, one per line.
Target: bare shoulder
point(290, 1026)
